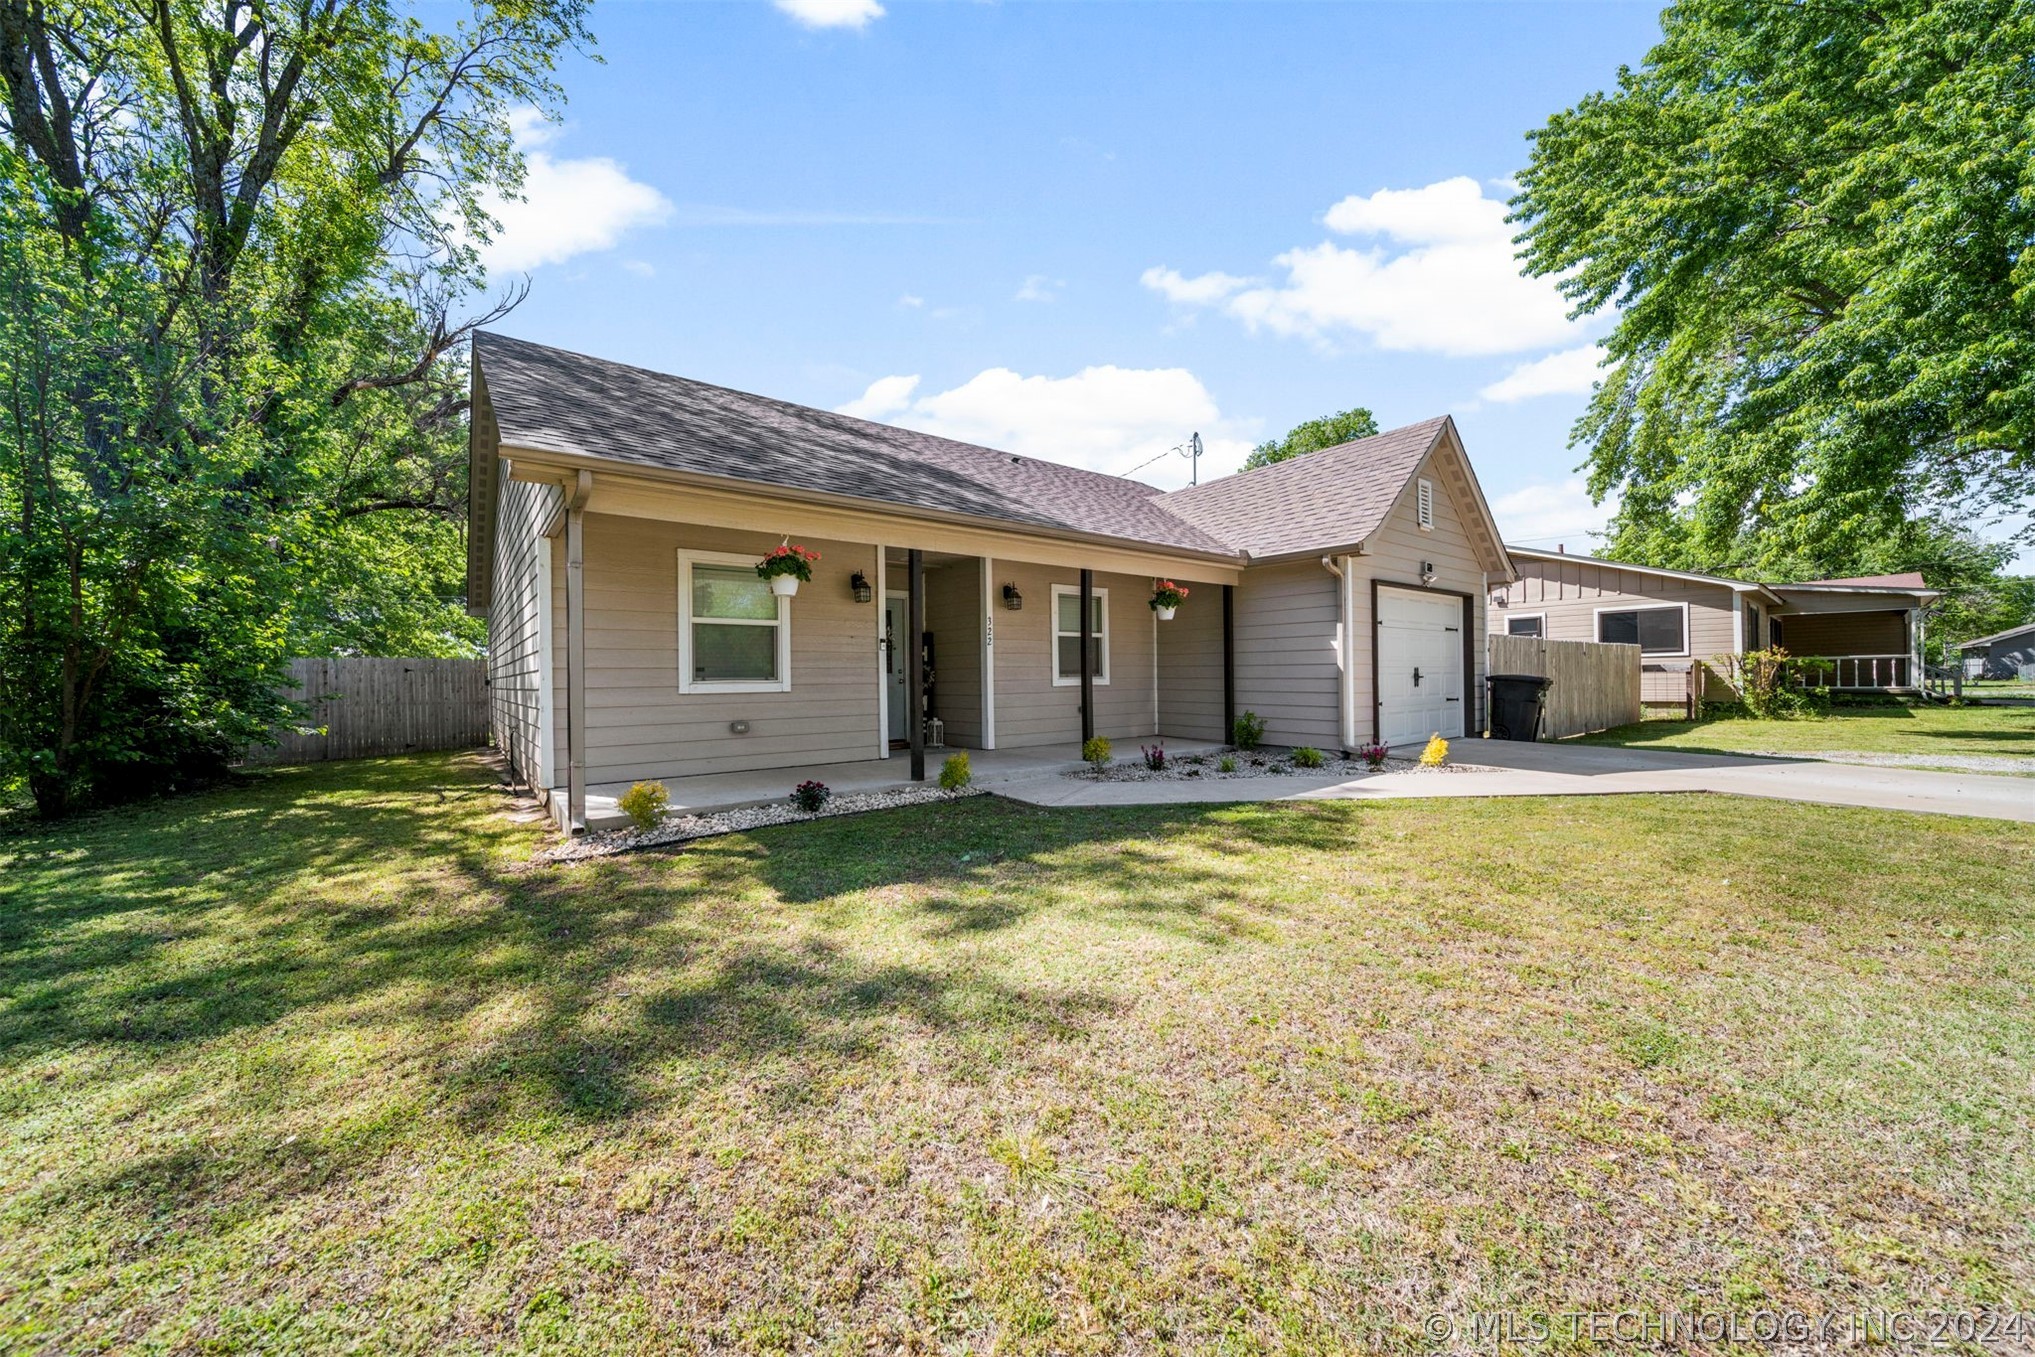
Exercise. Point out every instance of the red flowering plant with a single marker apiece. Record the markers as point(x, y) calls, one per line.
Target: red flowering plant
point(1167, 594)
point(789, 559)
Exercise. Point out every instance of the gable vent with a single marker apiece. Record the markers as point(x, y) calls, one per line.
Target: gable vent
point(1426, 502)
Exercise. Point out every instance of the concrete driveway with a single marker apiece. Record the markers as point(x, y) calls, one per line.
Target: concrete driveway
point(1509, 769)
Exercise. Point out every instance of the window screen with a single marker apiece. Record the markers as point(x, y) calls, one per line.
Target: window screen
point(1656, 631)
point(1067, 637)
point(734, 620)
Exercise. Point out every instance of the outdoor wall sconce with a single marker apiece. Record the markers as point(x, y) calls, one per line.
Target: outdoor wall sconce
point(1012, 599)
point(1427, 572)
point(859, 583)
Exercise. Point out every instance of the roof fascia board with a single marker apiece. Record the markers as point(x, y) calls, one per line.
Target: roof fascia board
point(649, 492)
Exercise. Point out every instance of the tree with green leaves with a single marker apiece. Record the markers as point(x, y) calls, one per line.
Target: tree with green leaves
point(235, 238)
point(1816, 224)
point(1330, 430)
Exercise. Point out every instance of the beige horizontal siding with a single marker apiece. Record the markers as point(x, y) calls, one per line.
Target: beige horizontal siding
point(513, 660)
point(1030, 710)
point(639, 725)
point(1190, 666)
point(1288, 669)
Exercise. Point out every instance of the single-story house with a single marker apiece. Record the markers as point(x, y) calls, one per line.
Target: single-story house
point(616, 516)
point(1691, 628)
point(2003, 655)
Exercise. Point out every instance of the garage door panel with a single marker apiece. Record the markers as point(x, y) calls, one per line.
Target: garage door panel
point(1420, 666)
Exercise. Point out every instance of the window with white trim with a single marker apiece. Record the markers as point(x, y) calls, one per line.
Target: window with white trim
point(1067, 635)
point(1424, 497)
point(734, 634)
point(1656, 631)
point(1526, 624)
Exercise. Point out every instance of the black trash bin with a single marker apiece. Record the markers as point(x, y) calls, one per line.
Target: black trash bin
point(1516, 704)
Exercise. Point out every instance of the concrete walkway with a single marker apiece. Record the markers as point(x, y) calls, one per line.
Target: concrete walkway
point(1582, 770)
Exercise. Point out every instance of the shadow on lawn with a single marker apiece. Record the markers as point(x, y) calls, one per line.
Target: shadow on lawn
point(209, 948)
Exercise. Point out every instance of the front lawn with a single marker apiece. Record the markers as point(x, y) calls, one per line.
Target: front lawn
point(315, 1064)
point(1890, 729)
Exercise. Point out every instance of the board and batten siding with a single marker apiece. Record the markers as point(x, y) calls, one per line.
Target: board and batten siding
point(1030, 709)
point(1288, 663)
point(954, 616)
point(1190, 666)
point(515, 705)
point(1393, 555)
point(1570, 593)
point(639, 725)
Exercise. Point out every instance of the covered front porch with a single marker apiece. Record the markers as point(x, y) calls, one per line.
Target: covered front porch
point(1867, 649)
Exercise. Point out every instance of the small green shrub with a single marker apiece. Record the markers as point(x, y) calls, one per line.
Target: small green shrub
point(644, 804)
point(1771, 684)
point(1247, 730)
point(1226, 764)
point(1307, 756)
point(955, 772)
point(1096, 751)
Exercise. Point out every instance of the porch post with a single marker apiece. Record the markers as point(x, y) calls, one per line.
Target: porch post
point(1087, 664)
point(1229, 662)
point(915, 658)
point(988, 654)
point(575, 652)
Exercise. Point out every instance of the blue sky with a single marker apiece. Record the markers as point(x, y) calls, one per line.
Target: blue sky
point(1082, 231)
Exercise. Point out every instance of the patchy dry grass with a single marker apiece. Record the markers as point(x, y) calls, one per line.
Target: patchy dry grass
point(314, 1065)
point(1891, 728)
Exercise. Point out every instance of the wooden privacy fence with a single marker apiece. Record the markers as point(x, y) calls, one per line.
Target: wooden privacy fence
point(361, 706)
point(1596, 686)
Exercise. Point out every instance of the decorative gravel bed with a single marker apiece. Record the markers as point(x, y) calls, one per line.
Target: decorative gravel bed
point(681, 828)
point(1206, 768)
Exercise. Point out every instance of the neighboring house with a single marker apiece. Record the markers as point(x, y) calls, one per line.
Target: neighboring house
point(2003, 655)
point(1691, 627)
point(616, 515)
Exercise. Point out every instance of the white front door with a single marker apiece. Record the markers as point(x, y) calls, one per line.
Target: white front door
point(895, 630)
point(1420, 666)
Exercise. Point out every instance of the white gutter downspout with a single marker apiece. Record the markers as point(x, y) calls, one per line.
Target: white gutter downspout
point(575, 651)
point(1346, 678)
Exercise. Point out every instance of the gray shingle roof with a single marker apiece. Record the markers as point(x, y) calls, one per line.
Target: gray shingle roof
point(555, 401)
point(552, 400)
point(1332, 498)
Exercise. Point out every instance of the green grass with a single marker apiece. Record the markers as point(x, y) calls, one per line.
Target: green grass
point(318, 1064)
point(1890, 729)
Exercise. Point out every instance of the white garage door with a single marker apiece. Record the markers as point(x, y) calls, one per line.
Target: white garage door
point(1420, 665)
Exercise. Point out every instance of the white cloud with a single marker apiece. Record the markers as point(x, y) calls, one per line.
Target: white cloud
point(1441, 278)
point(1105, 418)
point(1039, 288)
point(567, 208)
point(1202, 290)
point(911, 301)
point(832, 13)
point(1570, 372)
point(885, 396)
point(1550, 515)
point(642, 268)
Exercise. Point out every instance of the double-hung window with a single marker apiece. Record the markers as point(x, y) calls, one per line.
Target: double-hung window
point(1656, 631)
point(734, 634)
point(1067, 635)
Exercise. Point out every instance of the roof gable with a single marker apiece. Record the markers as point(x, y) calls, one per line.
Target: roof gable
point(1338, 497)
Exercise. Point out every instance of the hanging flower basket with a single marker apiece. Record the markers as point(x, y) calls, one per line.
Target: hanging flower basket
point(1166, 598)
point(786, 568)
